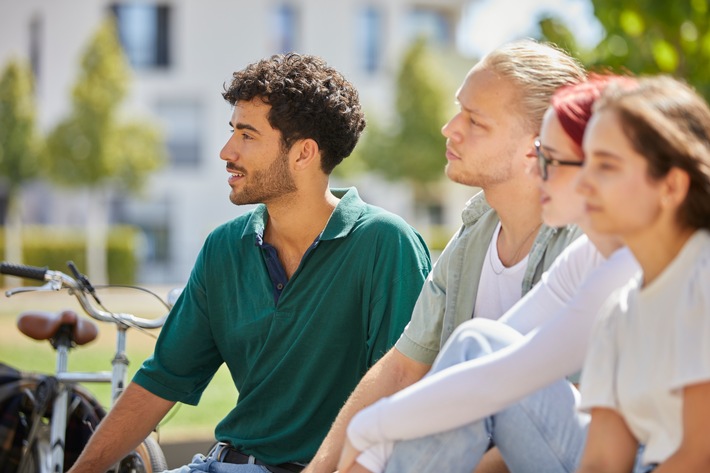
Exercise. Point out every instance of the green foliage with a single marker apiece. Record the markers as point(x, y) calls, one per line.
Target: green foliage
point(70, 244)
point(19, 141)
point(556, 32)
point(92, 145)
point(652, 37)
point(413, 148)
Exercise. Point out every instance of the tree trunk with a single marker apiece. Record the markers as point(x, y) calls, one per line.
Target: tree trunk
point(97, 236)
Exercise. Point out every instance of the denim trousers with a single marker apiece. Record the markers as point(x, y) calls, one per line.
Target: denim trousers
point(542, 433)
point(212, 464)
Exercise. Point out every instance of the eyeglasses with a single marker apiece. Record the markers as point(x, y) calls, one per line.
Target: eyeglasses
point(543, 161)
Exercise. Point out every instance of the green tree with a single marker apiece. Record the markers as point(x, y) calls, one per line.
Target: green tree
point(412, 147)
point(93, 148)
point(19, 148)
point(651, 37)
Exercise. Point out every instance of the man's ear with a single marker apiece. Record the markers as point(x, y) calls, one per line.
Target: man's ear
point(308, 153)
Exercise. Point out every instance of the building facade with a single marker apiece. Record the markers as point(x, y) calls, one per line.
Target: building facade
point(182, 53)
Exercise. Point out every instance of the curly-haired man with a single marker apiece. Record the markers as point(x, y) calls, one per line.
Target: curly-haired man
point(299, 296)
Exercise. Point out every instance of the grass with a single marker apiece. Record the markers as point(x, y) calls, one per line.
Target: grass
point(182, 423)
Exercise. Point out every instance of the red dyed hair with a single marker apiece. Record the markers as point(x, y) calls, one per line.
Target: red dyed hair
point(573, 104)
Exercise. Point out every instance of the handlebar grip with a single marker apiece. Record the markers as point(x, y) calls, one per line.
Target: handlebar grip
point(23, 271)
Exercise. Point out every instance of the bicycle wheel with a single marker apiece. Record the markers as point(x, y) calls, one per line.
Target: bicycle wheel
point(147, 458)
point(39, 455)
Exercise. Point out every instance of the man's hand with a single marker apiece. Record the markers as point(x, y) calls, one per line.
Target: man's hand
point(133, 417)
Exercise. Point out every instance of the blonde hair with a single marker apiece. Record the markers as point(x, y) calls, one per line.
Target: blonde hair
point(539, 69)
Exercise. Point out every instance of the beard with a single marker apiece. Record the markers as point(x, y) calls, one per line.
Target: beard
point(267, 185)
point(482, 178)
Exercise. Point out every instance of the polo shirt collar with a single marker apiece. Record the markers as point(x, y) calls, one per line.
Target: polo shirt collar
point(341, 222)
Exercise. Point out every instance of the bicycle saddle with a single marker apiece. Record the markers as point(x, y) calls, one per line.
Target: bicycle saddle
point(45, 325)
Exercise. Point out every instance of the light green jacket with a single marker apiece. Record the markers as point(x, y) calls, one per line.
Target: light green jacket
point(449, 294)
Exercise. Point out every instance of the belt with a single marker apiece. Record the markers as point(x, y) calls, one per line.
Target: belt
point(239, 458)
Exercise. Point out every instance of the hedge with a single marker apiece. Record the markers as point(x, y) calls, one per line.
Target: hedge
point(53, 246)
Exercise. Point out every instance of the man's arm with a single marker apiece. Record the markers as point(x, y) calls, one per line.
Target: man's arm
point(128, 423)
point(392, 373)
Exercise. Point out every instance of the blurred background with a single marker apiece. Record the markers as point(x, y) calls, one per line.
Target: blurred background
point(112, 120)
point(111, 123)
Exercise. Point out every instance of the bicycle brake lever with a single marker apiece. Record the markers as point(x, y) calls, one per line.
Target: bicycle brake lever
point(48, 286)
point(83, 281)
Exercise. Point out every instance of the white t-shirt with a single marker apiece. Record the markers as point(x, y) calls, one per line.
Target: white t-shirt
point(651, 343)
point(556, 318)
point(498, 286)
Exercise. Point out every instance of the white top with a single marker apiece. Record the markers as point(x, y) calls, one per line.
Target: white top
point(562, 307)
point(501, 285)
point(649, 345)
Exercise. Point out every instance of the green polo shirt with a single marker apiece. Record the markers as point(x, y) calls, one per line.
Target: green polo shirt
point(296, 358)
point(449, 295)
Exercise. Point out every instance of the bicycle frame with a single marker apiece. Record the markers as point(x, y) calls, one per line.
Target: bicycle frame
point(56, 280)
point(117, 378)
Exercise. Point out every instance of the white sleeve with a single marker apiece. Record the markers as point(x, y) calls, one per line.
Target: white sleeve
point(692, 328)
point(557, 287)
point(375, 457)
point(598, 384)
point(477, 388)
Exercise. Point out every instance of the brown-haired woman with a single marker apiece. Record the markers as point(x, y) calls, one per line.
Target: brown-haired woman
point(646, 379)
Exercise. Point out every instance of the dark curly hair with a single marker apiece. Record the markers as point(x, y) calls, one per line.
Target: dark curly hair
point(308, 99)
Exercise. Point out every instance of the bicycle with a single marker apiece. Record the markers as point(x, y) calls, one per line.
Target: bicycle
point(47, 404)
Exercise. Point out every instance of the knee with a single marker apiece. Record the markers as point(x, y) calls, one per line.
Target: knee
point(478, 337)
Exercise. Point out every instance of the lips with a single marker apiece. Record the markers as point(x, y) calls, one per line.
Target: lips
point(592, 208)
point(234, 174)
point(451, 156)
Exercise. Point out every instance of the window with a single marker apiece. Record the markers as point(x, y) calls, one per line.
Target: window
point(432, 23)
point(285, 28)
point(181, 124)
point(144, 33)
point(370, 29)
point(36, 29)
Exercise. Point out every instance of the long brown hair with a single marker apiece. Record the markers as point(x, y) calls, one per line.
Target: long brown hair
point(668, 123)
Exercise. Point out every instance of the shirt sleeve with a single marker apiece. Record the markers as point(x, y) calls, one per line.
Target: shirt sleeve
point(692, 329)
point(175, 372)
point(422, 336)
point(557, 287)
point(399, 276)
point(477, 388)
point(598, 383)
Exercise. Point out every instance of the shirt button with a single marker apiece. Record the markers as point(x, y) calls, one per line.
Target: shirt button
point(279, 286)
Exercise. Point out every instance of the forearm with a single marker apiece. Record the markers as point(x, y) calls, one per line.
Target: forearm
point(388, 376)
point(686, 461)
point(130, 421)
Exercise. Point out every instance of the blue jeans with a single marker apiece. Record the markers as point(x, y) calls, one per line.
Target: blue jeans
point(543, 433)
point(212, 464)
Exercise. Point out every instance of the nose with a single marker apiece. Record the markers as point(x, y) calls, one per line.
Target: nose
point(450, 131)
point(228, 153)
point(583, 185)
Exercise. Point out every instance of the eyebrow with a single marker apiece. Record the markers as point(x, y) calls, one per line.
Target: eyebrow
point(605, 154)
point(244, 126)
point(471, 111)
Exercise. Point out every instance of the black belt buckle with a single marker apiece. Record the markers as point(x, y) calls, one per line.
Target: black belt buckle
point(238, 458)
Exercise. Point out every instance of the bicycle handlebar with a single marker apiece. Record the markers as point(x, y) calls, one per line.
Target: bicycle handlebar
point(23, 271)
point(57, 280)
